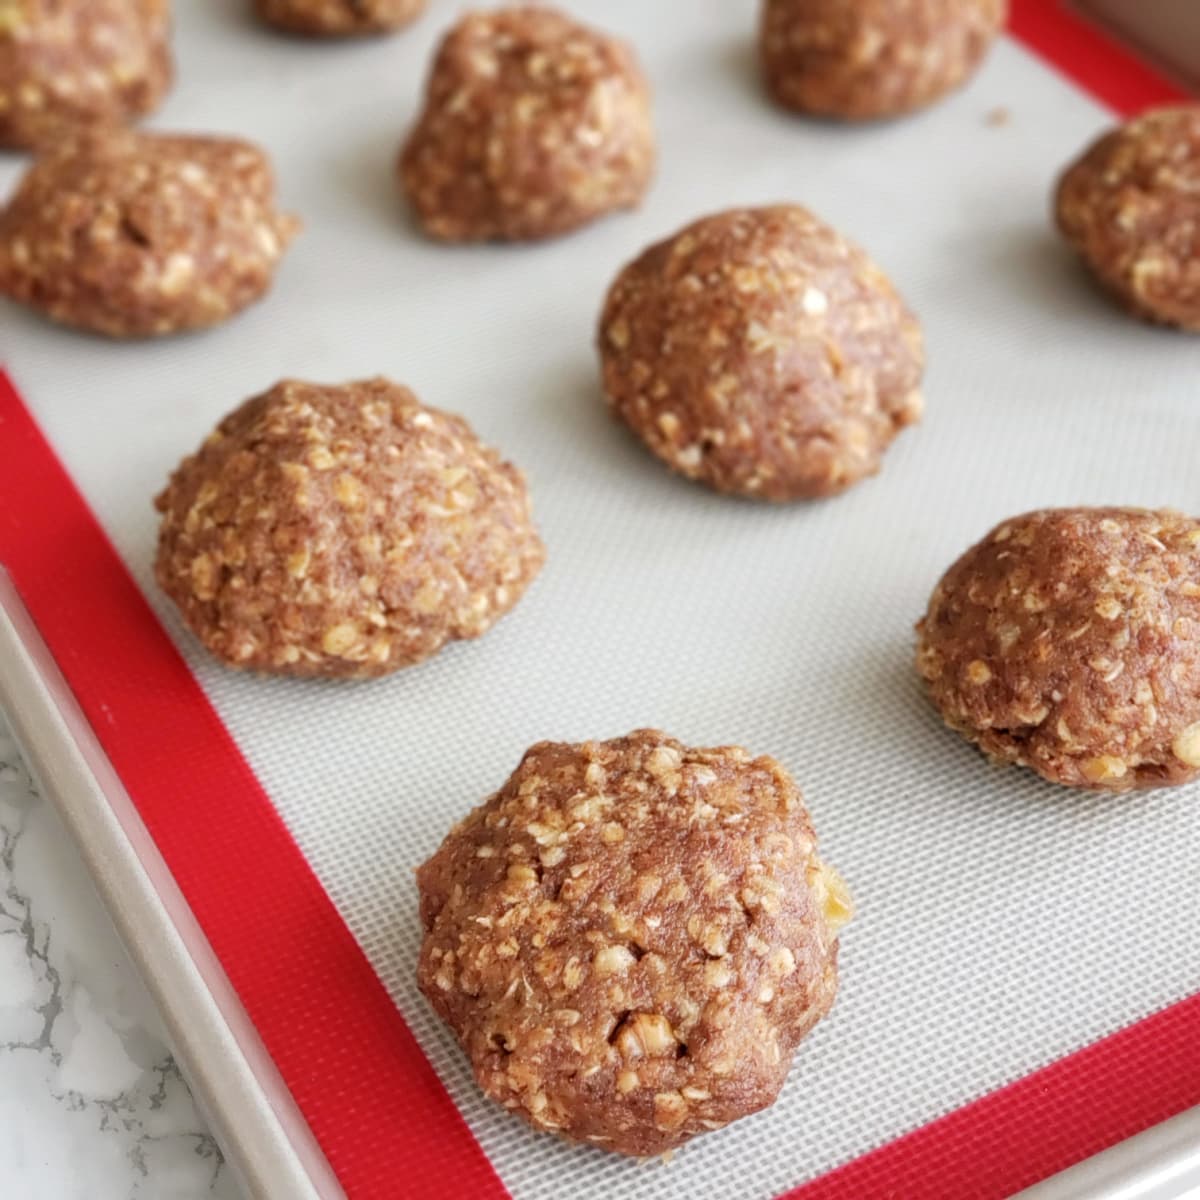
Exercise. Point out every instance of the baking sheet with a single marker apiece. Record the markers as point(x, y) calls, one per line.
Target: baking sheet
point(236, 1086)
point(1168, 30)
point(1002, 923)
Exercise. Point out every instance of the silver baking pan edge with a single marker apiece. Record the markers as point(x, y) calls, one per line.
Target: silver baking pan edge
point(265, 1139)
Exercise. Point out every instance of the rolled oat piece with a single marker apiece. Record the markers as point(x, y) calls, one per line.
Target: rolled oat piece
point(762, 353)
point(138, 234)
point(64, 65)
point(631, 938)
point(1130, 207)
point(339, 18)
point(533, 125)
point(343, 531)
point(865, 59)
point(1068, 640)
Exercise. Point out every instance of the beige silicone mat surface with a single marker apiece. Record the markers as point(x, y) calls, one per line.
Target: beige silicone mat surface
point(1002, 923)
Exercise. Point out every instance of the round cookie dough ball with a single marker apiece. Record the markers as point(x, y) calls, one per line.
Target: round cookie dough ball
point(343, 531)
point(533, 125)
point(762, 353)
point(136, 234)
point(1068, 640)
point(864, 59)
point(338, 18)
point(631, 938)
point(1131, 208)
point(63, 65)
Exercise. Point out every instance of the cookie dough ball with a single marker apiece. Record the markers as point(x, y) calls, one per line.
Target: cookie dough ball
point(631, 938)
point(533, 125)
point(63, 65)
point(343, 532)
point(338, 18)
point(1068, 641)
point(762, 353)
point(1131, 208)
point(864, 59)
point(137, 234)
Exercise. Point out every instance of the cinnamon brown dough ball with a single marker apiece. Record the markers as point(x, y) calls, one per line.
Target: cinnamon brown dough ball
point(631, 938)
point(1131, 208)
point(862, 59)
point(137, 234)
point(762, 353)
point(1068, 641)
point(533, 125)
point(70, 63)
point(343, 531)
point(339, 18)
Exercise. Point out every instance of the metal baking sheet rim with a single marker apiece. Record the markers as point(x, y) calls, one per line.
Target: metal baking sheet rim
point(240, 1092)
point(253, 1116)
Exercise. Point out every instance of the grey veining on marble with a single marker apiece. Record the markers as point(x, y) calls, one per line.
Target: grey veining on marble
point(92, 1105)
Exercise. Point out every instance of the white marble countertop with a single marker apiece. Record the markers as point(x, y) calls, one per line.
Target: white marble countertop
point(92, 1105)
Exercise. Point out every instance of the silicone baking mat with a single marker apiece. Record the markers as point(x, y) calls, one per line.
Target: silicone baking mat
point(1007, 930)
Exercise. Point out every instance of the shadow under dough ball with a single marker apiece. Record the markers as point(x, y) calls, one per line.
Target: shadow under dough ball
point(64, 65)
point(1068, 640)
point(631, 938)
point(343, 531)
point(338, 18)
point(136, 234)
point(762, 353)
point(867, 59)
point(532, 126)
point(1130, 206)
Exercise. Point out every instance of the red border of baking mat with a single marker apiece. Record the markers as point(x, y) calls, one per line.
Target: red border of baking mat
point(1094, 59)
point(372, 1099)
point(387, 1125)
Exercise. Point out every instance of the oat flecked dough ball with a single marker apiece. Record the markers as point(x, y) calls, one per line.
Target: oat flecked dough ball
point(68, 64)
point(631, 938)
point(343, 531)
point(136, 234)
point(1068, 640)
point(533, 125)
point(339, 18)
point(866, 59)
point(762, 353)
point(1130, 206)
